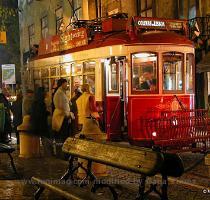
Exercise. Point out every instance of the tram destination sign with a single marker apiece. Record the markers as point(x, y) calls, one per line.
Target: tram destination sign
point(67, 40)
point(164, 24)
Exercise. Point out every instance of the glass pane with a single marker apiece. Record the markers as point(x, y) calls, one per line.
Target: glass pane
point(65, 70)
point(55, 71)
point(143, 14)
point(172, 71)
point(89, 67)
point(149, 3)
point(149, 13)
point(45, 73)
point(37, 74)
point(143, 4)
point(144, 71)
point(189, 72)
point(113, 75)
point(37, 83)
point(90, 79)
point(45, 84)
point(76, 68)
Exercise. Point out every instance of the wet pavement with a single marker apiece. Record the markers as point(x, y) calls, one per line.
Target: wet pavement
point(191, 186)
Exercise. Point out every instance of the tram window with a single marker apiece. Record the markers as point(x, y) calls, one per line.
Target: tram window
point(173, 71)
point(55, 71)
point(76, 69)
point(90, 79)
point(144, 72)
point(37, 74)
point(189, 72)
point(44, 73)
point(89, 67)
point(65, 70)
point(45, 84)
point(37, 83)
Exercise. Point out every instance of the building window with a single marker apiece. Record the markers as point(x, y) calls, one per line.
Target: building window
point(59, 18)
point(31, 34)
point(44, 27)
point(146, 8)
point(77, 7)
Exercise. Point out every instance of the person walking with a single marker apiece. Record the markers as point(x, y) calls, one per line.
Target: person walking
point(17, 113)
point(62, 116)
point(7, 119)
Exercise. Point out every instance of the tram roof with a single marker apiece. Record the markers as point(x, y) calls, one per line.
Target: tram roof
point(122, 38)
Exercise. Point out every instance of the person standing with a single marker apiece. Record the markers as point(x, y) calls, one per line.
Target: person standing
point(27, 102)
point(39, 114)
point(17, 113)
point(73, 108)
point(87, 112)
point(7, 118)
point(62, 116)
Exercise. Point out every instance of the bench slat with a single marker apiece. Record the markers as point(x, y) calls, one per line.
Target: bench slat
point(143, 160)
point(68, 191)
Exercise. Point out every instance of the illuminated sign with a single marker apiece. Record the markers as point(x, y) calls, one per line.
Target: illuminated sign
point(163, 24)
point(67, 40)
point(8, 73)
point(151, 23)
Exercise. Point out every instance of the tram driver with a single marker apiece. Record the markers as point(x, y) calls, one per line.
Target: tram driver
point(149, 82)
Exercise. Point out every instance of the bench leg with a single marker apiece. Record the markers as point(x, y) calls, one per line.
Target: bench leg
point(88, 172)
point(12, 163)
point(164, 188)
point(97, 184)
point(141, 193)
point(70, 171)
point(38, 193)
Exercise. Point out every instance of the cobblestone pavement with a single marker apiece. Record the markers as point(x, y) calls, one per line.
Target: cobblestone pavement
point(19, 187)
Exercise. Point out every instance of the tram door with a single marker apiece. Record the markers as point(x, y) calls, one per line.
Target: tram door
point(115, 97)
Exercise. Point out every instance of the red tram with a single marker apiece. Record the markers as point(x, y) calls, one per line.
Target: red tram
point(132, 72)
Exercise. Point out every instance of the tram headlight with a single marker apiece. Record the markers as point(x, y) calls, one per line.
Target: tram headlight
point(154, 134)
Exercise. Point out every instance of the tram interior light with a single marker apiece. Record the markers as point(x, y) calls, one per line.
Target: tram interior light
point(143, 55)
point(67, 69)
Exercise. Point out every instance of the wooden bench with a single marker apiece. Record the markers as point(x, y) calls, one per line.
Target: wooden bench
point(8, 150)
point(143, 161)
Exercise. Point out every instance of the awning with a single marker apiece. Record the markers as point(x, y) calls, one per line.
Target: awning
point(204, 65)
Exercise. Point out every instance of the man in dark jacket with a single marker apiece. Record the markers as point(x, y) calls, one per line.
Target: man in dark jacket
point(17, 113)
point(150, 82)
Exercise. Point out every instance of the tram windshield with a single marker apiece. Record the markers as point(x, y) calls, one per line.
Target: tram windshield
point(173, 71)
point(144, 71)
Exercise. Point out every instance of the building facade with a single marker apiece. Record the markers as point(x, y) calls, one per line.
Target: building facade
point(9, 49)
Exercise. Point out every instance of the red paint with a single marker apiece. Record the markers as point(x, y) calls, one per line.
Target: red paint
point(113, 117)
point(117, 38)
point(141, 106)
